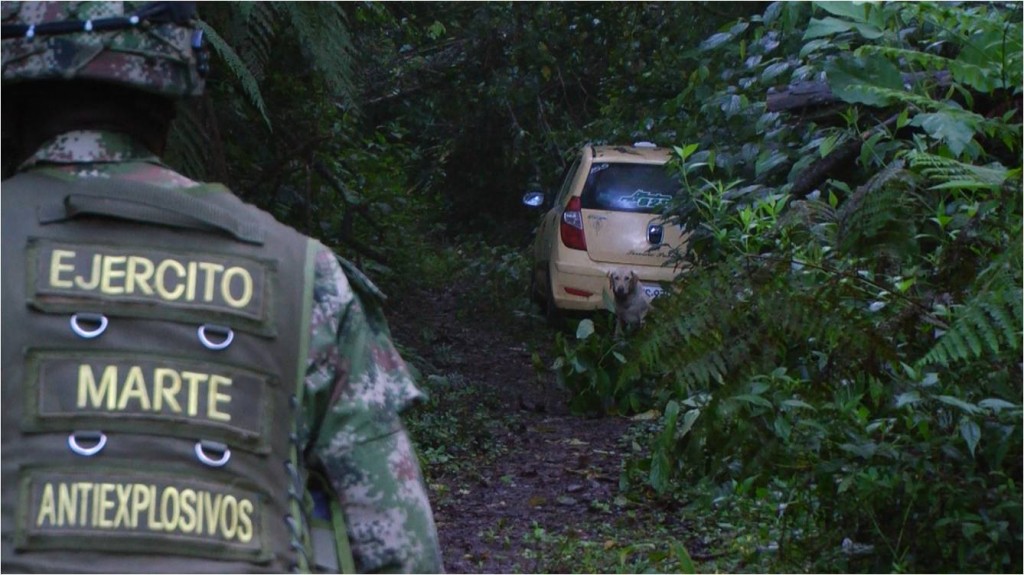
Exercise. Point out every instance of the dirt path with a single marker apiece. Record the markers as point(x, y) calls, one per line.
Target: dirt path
point(542, 470)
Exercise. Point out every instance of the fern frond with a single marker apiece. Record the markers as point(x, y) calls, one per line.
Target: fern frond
point(946, 173)
point(690, 336)
point(875, 216)
point(902, 96)
point(702, 371)
point(741, 318)
point(257, 31)
point(244, 75)
point(323, 32)
point(990, 323)
point(819, 211)
point(987, 330)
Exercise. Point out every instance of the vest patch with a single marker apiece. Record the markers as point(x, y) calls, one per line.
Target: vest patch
point(198, 286)
point(146, 496)
point(148, 393)
point(125, 510)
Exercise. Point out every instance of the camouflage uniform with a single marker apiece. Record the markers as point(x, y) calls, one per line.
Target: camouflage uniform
point(356, 383)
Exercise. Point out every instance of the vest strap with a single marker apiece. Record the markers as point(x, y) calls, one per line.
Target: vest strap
point(341, 545)
point(145, 203)
point(304, 565)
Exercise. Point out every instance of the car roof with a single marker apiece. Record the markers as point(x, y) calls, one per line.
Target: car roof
point(640, 153)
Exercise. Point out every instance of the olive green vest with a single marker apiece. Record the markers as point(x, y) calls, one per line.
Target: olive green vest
point(154, 343)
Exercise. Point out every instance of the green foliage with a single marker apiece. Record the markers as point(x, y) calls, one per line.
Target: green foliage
point(448, 428)
point(592, 365)
point(848, 343)
point(872, 220)
point(370, 124)
point(987, 324)
point(248, 42)
point(360, 188)
point(322, 32)
point(620, 548)
point(503, 276)
point(850, 351)
point(501, 92)
point(242, 72)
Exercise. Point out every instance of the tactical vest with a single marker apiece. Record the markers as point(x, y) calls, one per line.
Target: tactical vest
point(154, 345)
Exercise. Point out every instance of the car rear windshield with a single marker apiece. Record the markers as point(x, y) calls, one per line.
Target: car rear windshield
point(643, 188)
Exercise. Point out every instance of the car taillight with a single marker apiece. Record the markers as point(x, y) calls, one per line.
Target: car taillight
point(578, 291)
point(571, 227)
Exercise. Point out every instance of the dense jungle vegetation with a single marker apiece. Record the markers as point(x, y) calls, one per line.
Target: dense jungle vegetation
point(839, 376)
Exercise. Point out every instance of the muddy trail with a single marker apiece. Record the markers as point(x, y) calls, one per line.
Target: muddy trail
point(535, 469)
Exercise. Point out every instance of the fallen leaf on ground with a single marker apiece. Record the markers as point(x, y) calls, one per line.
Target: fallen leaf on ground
point(647, 415)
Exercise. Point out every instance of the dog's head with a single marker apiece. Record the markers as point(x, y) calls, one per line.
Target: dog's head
point(622, 283)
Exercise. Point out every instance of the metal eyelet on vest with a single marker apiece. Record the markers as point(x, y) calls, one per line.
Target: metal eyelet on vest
point(293, 526)
point(203, 446)
point(293, 473)
point(296, 536)
point(227, 333)
point(98, 436)
point(96, 318)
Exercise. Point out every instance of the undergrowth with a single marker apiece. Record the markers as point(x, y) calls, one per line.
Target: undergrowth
point(839, 377)
point(454, 430)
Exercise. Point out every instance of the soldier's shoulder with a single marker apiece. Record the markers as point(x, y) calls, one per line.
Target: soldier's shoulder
point(147, 173)
point(132, 171)
point(335, 273)
point(360, 282)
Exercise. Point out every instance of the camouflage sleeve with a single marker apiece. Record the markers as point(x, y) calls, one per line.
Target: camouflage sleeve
point(356, 386)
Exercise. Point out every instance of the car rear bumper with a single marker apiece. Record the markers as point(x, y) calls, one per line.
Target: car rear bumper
point(579, 286)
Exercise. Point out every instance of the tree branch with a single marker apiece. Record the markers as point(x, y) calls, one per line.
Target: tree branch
point(819, 171)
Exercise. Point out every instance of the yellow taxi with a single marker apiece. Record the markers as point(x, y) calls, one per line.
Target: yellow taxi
point(606, 216)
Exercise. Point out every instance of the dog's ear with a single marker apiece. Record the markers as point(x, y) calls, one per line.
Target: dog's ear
point(633, 278)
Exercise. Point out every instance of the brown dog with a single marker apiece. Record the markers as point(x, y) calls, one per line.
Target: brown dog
point(631, 303)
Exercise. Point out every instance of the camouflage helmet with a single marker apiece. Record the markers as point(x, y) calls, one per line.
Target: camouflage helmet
point(151, 46)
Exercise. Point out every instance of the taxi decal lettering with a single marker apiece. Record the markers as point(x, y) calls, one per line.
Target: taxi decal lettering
point(648, 199)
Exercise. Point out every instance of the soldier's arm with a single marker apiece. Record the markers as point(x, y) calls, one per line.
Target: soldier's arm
point(357, 385)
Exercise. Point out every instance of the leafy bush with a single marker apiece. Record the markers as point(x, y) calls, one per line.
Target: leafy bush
point(594, 370)
point(849, 344)
point(501, 274)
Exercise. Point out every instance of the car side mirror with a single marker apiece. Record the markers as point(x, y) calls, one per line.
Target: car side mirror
point(534, 199)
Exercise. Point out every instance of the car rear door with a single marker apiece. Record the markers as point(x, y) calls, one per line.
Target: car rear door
point(621, 204)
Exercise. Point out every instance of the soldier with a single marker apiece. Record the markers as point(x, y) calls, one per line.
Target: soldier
point(177, 365)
